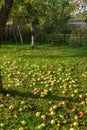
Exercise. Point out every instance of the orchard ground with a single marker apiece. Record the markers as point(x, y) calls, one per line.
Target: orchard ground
point(46, 88)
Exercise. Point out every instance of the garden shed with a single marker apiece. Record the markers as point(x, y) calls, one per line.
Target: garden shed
point(78, 30)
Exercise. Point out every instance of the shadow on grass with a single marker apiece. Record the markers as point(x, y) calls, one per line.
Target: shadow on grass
point(54, 56)
point(50, 96)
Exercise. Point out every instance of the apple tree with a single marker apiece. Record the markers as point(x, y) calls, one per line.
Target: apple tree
point(4, 15)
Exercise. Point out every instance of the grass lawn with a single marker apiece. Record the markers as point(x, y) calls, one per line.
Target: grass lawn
point(47, 88)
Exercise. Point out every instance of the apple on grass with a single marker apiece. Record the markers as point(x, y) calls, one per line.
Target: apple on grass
point(52, 122)
point(22, 102)
point(75, 123)
point(81, 114)
point(43, 117)
point(23, 122)
point(11, 107)
point(2, 125)
point(38, 114)
point(52, 113)
point(39, 127)
point(21, 128)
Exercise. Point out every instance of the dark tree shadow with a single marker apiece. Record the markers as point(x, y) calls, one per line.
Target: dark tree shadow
point(50, 56)
point(26, 95)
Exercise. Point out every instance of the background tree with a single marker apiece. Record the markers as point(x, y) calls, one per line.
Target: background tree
point(27, 11)
point(78, 8)
point(55, 17)
point(42, 18)
point(32, 8)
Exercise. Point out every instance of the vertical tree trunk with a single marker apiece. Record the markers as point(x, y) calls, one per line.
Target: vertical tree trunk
point(1, 86)
point(14, 35)
point(64, 36)
point(32, 35)
point(21, 38)
point(4, 14)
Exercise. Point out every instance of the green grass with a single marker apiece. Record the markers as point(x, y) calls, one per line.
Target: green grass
point(49, 81)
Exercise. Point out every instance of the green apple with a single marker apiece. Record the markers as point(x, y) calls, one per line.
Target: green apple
point(43, 117)
point(23, 122)
point(50, 102)
point(20, 109)
point(1, 105)
point(21, 128)
point(75, 123)
point(71, 129)
point(42, 95)
point(7, 95)
point(2, 125)
point(80, 96)
point(52, 121)
point(76, 91)
point(43, 124)
point(52, 113)
point(55, 107)
point(72, 95)
point(38, 114)
point(76, 117)
point(11, 107)
point(58, 124)
point(22, 102)
point(15, 116)
point(50, 109)
point(39, 127)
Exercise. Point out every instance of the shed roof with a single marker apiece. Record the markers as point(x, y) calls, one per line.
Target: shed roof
point(76, 22)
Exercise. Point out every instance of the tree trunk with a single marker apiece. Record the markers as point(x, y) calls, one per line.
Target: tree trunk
point(1, 86)
point(14, 35)
point(64, 37)
point(32, 35)
point(21, 38)
point(4, 14)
